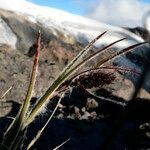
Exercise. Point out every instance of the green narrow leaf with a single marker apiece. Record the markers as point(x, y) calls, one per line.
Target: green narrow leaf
point(15, 127)
point(32, 80)
point(92, 56)
point(61, 78)
point(64, 76)
point(97, 53)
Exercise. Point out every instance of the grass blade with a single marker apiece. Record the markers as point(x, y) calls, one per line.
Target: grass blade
point(124, 104)
point(15, 127)
point(61, 78)
point(95, 54)
point(43, 128)
point(32, 80)
point(92, 56)
point(6, 93)
point(103, 61)
point(59, 146)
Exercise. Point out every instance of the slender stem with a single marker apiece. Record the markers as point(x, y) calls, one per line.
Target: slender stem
point(56, 148)
point(14, 129)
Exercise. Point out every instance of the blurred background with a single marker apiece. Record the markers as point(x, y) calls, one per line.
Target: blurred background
point(125, 13)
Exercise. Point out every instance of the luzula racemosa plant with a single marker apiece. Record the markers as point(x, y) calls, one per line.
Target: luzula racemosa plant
point(12, 138)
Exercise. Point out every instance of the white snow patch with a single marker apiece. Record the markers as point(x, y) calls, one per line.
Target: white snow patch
point(31, 19)
point(82, 28)
point(6, 34)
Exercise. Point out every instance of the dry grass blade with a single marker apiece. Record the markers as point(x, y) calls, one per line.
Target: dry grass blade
point(61, 78)
point(103, 61)
point(95, 54)
point(106, 99)
point(80, 55)
point(134, 71)
point(93, 41)
point(59, 146)
point(9, 117)
point(90, 58)
point(43, 128)
point(15, 127)
point(6, 93)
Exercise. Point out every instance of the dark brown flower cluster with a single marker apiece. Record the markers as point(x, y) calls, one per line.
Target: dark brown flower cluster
point(93, 78)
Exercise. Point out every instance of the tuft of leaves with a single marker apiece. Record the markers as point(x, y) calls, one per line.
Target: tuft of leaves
point(87, 79)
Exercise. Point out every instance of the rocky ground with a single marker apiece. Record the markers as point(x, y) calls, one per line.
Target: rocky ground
point(91, 123)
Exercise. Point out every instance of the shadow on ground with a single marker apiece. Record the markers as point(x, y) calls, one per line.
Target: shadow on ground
point(113, 127)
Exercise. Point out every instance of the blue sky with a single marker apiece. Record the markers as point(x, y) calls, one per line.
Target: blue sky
point(73, 6)
point(116, 12)
point(148, 1)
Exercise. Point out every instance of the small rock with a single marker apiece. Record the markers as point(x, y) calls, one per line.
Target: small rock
point(61, 106)
point(148, 134)
point(60, 116)
point(77, 112)
point(93, 115)
point(85, 116)
point(83, 109)
point(91, 103)
point(145, 126)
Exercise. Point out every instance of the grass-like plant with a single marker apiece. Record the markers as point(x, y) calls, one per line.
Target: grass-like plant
point(12, 138)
